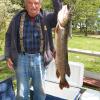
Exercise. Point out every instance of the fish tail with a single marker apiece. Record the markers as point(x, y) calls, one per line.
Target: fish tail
point(68, 71)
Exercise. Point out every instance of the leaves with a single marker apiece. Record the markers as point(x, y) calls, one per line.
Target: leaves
point(85, 13)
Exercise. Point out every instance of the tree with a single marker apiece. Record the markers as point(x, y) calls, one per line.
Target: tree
point(45, 4)
point(84, 14)
point(6, 12)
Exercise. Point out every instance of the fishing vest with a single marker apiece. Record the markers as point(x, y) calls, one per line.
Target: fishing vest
point(42, 33)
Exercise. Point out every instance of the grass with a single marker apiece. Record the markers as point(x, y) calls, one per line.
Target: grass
point(91, 63)
point(1, 47)
point(4, 71)
point(86, 43)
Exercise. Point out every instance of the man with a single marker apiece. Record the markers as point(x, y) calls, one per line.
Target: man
point(24, 48)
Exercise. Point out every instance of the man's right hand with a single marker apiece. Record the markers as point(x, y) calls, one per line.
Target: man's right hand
point(10, 64)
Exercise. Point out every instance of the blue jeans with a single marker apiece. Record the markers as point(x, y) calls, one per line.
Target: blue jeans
point(6, 90)
point(30, 66)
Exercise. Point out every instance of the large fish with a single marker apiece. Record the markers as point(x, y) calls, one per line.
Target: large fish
point(61, 39)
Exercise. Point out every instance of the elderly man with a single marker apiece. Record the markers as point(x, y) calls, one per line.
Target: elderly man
point(24, 47)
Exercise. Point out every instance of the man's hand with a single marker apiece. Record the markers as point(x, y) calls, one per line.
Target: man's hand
point(63, 16)
point(10, 64)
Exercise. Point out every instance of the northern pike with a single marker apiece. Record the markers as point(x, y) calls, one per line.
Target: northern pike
point(61, 58)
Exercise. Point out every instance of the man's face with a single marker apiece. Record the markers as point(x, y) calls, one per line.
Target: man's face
point(32, 7)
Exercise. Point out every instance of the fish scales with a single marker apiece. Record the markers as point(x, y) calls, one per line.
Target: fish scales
point(61, 59)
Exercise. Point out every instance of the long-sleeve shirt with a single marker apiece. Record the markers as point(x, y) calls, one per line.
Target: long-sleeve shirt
point(12, 34)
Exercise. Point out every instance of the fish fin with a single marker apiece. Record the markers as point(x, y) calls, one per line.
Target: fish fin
point(57, 74)
point(61, 86)
point(68, 71)
point(57, 28)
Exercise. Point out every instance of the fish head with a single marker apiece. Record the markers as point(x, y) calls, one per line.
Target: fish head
point(63, 15)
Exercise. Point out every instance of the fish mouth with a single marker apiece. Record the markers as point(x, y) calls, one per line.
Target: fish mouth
point(63, 83)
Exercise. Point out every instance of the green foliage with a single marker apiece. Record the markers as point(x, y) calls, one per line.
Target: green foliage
point(8, 9)
point(84, 13)
point(18, 2)
point(47, 5)
point(3, 20)
point(4, 71)
point(2, 15)
point(6, 12)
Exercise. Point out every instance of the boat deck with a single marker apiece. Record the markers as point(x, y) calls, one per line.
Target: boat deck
point(73, 93)
point(76, 90)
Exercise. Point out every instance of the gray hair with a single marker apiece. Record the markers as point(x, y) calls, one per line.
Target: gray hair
point(39, 0)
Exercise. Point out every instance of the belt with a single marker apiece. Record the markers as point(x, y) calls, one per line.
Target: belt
point(30, 53)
